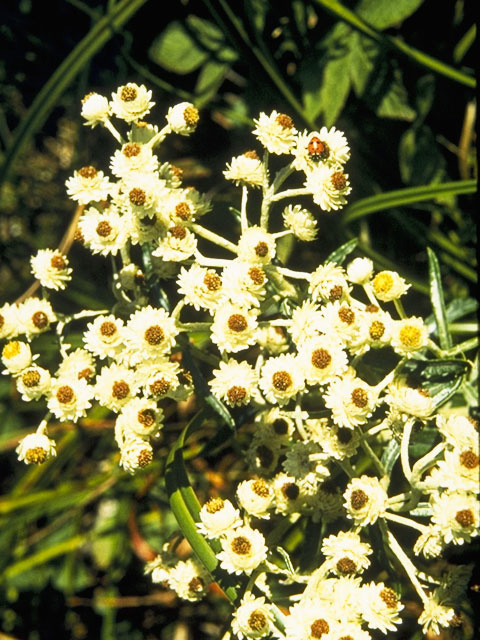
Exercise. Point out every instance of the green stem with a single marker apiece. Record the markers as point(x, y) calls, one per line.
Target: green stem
point(215, 238)
point(396, 43)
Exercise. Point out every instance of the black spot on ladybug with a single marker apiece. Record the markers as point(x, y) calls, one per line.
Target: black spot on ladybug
point(317, 150)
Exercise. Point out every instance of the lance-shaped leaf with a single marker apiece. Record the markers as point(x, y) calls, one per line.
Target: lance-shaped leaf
point(438, 302)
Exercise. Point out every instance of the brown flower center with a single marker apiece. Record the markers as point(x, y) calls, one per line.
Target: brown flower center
point(321, 358)
point(281, 380)
point(284, 121)
point(339, 180)
point(58, 262)
point(469, 459)
point(360, 398)
point(120, 389)
point(131, 150)
point(346, 566)
point(137, 196)
point(290, 490)
point(146, 417)
point(256, 275)
point(257, 620)
point(212, 281)
point(319, 628)
point(346, 315)
point(128, 93)
point(31, 379)
point(104, 229)
point(108, 329)
point(465, 518)
point(178, 232)
point(182, 210)
point(236, 394)
point(65, 394)
point(87, 172)
point(358, 499)
point(160, 387)
point(237, 322)
point(241, 546)
point(261, 249)
point(389, 597)
point(154, 335)
point(260, 488)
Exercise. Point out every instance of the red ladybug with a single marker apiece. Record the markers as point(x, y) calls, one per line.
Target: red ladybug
point(317, 150)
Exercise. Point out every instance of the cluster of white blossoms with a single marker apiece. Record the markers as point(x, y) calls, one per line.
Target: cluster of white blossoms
point(284, 351)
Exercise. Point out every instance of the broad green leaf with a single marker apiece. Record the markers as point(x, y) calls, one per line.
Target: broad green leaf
point(382, 14)
point(438, 302)
point(394, 103)
point(175, 50)
point(361, 56)
point(420, 159)
point(208, 81)
point(339, 255)
point(422, 442)
point(334, 89)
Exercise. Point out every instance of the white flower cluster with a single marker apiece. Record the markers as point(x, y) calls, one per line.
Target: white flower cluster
point(285, 351)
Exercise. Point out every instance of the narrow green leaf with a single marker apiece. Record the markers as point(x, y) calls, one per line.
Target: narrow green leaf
point(382, 14)
point(438, 302)
point(339, 255)
point(402, 197)
point(47, 97)
point(422, 442)
point(460, 307)
point(390, 455)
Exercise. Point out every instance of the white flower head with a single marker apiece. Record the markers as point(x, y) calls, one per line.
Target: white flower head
point(234, 382)
point(243, 550)
point(456, 514)
point(69, 399)
point(234, 327)
point(104, 337)
point(77, 364)
point(103, 232)
point(341, 320)
point(327, 147)
point(351, 400)
point(328, 283)
point(36, 448)
point(322, 359)
point(380, 607)
point(365, 500)
point(281, 378)
point(189, 579)
point(246, 169)
point(310, 620)
point(346, 553)
point(360, 270)
point(131, 102)
point(159, 377)
point(328, 186)
point(436, 614)
point(459, 431)
point(115, 386)
point(33, 383)
point(177, 245)
point(183, 118)
point(430, 543)
point(35, 316)
point(135, 453)
point(408, 401)
point(88, 185)
point(304, 322)
point(243, 283)
point(253, 618)
point(139, 418)
point(301, 222)
point(95, 109)
point(388, 286)
point(200, 287)
point(133, 158)
point(374, 330)
point(9, 324)
point(217, 518)
point(290, 495)
point(337, 442)
point(16, 356)
point(256, 497)
point(149, 333)
point(51, 269)
point(409, 336)
point(256, 246)
point(276, 132)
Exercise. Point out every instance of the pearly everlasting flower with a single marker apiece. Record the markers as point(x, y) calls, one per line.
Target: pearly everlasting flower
point(388, 286)
point(233, 328)
point(200, 287)
point(409, 336)
point(337, 442)
point(351, 400)
point(360, 270)
point(310, 620)
point(140, 193)
point(177, 245)
point(458, 430)
point(69, 399)
point(149, 333)
point(256, 246)
point(135, 453)
point(328, 186)
point(328, 283)
point(322, 359)
point(300, 222)
point(35, 316)
point(276, 132)
point(281, 378)
point(255, 497)
point(131, 102)
point(33, 383)
point(243, 283)
point(243, 550)
point(328, 147)
point(95, 109)
point(189, 579)
point(104, 337)
point(9, 325)
point(457, 516)
point(458, 471)
point(246, 169)
point(279, 422)
point(88, 185)
point(139, 418)
point(217, 518)
point(115, 386)
point(36, 448)
point(234, 382)
point(159, 377)
point(272, 340)
point(103, 232)
point(16, 356)
point(290, 494)
point(346, 554)
point(77, 365)
point(430, 543)
point(380, 607)
point(436, 614)
point(159, 568)
point(253, 618)
point(365, 500)
point(407, 401)
point(183, 118)
point(374, 330)
point(340, 319)
point(51, 269)
point(133, 158)
point(304, 322)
